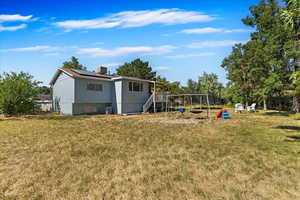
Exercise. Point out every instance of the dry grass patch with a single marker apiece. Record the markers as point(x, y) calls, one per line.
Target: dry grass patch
point(126, 157)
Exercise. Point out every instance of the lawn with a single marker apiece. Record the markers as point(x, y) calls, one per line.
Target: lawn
point(252, 156)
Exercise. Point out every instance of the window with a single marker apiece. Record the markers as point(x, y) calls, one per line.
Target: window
point(135, 86)
point(94, 87)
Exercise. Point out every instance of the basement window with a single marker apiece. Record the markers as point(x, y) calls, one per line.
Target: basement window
point(94, 87)
point(135, 86)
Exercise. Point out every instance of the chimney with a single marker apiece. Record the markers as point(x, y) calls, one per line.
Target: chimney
point(102, 70)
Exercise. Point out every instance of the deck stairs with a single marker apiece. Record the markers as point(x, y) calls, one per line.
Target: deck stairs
point(160, 103)
point(148, 104)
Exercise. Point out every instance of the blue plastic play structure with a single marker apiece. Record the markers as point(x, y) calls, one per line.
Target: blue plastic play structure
point(226, 115)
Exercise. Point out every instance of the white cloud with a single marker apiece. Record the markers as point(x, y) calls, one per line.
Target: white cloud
point(222, 43)
point(14, 18)
point(12, 28)
point(179, 56)
point(32, 48)
point(128, 19)
point(161, 68)
point(212, 30)
point(17, 17)
point(201, 30)
point(111, 64)
point(144, 50)
point(237, 31)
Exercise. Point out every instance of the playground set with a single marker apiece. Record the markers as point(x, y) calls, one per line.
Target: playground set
point(195, 104)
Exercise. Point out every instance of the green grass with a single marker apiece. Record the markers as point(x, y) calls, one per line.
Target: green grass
point(252, 156)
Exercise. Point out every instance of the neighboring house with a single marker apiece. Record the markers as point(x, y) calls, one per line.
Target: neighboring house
point(43, 103)
point(83, 92)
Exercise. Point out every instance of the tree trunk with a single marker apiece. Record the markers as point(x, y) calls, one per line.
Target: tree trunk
point(295, 106)
point(265, 105)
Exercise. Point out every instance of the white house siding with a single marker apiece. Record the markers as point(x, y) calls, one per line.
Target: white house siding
point(132, 102)
point(63, 94)
point(87, 101)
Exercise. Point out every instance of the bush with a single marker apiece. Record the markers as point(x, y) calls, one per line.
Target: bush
point(16, 93)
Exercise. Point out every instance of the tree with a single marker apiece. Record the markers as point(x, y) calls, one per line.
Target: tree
point(239, 73)
point(209, 84)
point(192, 87)
point(17, 92)
point(138, 69)
point(74, 63)
point(265, 50)
point(44, 90)
point(260, 69)
point(166, 86)
point(291, 14)
point(206, 84)
point(291, 17)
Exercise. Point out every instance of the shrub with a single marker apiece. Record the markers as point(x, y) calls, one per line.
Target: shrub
point(16, 93)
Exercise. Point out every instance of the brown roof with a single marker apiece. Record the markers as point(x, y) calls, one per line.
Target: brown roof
point(91, 75)
point(77, 75)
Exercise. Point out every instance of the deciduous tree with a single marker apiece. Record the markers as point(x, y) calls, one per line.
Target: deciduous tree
point(16, 93)
point(74, 64)
point(138, 69)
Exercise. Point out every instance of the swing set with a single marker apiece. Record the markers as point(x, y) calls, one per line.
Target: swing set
point(189, 103)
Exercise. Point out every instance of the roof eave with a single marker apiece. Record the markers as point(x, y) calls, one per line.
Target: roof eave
point(132, 78)
point(58, 71)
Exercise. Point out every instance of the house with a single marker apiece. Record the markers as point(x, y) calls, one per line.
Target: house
point(43, 103)
point(83, 92)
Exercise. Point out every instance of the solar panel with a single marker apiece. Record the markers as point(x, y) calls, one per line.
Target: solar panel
point(88, 73)
point(83, 72)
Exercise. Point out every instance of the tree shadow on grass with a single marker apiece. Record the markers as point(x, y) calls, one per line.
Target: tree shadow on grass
point(296, 137)
point(293, 138)
point(293, 128)
point(281, 113)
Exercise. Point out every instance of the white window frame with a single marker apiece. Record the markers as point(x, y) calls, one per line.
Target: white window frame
point(131, 86)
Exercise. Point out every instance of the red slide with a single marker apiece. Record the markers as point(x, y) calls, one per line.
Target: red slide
point(219, 115)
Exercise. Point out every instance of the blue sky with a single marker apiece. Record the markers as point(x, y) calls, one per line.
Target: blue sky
point(181, 39)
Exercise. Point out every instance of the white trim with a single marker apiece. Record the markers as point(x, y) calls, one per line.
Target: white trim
point(93, 78)
point(132, 79)
point(57, 73)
